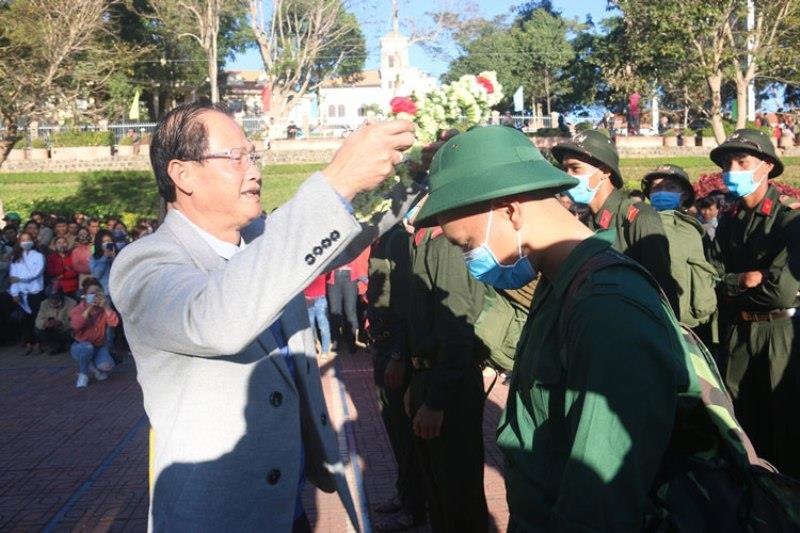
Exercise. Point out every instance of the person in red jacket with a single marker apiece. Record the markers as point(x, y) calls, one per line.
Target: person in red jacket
point(342, 300)
point(59, 269)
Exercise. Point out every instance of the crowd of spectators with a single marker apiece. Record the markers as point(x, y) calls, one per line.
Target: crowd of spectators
point(54, 287)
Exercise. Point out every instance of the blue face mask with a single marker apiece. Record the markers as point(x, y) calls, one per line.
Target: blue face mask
point(90, 298)
point(582, 193)
point(485, 267)
point(740, 182)
point(665, 200)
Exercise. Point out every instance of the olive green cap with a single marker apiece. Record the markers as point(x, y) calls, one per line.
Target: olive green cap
point(12, 216)
point(483, 164)
point(755, 142)
point(670, 171)
point(595, 145)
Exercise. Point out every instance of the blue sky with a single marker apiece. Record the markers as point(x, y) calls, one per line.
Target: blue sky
point(375, 18)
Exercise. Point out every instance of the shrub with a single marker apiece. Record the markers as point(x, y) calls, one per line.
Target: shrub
point(22, 143)
point(125, 141)
point(671, 132)
point(83, 138)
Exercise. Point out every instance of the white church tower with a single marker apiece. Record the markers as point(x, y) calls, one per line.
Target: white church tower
point(394, 57)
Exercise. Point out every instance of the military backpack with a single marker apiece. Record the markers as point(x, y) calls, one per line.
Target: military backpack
point(696, 278)
point(711, 478)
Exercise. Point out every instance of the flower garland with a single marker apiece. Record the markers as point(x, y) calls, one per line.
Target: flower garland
point(464, 103)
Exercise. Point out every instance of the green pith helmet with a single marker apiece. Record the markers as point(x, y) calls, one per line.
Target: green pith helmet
point(483, 164)
point(755, 142)
point(670, 171)
point(595, 145)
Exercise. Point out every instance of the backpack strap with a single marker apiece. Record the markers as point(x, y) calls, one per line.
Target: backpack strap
point(604, 259)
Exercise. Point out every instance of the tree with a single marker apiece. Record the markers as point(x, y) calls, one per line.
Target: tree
point(174, 68)
point(661, 35)
point(543, 51)
point(201, 21)
point(765, 49)
point(711, 41)
point(57, 56)
point(304, 43)
point(532, 53)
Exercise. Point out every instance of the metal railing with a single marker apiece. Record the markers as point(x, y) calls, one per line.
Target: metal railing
point(256, 128)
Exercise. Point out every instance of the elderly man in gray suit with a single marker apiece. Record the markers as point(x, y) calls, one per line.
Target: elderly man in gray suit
point(215, 316)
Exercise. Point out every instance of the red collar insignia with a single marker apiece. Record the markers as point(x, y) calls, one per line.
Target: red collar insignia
point(437, 232)
point(766, 206)
point(419, 237)
point(633, 212)
point(605, 219)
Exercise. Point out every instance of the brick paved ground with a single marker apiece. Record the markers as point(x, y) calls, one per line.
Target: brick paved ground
point(76, 460)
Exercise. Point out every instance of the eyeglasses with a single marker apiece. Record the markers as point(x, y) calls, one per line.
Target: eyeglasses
point(238, 157)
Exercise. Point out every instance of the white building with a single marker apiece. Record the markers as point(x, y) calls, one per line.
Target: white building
point(340, 102)
point(345, 103)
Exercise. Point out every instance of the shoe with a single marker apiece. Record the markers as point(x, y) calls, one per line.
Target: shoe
point(28, 349)
point(99, 375)
point(83, 381)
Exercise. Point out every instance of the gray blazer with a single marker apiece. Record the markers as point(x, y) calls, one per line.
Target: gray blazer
point(228, 417)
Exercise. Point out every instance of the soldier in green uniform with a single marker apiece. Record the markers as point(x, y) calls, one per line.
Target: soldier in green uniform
point(671, 193)
point(592, 158)
point(389, 306)
point(756, 252)
point(445, 398)
point(594, 391)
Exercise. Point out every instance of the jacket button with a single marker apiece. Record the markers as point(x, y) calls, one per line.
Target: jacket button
point(326, 243)
point(276, 399)
point(335, 235)
point(310, 259)
point(318, 250)
point(274, 476)
point(323, 418)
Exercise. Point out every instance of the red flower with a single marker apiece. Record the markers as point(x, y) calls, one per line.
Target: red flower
point(403, 104)
point(486, 83)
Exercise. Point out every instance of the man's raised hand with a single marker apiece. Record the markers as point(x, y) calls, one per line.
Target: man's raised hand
point(368, 156)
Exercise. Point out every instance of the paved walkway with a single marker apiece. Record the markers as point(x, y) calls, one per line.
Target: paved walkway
point(76, 460)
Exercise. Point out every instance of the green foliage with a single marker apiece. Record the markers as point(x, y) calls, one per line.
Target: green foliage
point(82, 138)
point(533, 52)
point(23, 143)
point(125, 141)
point(134, 194)
point(56, 52)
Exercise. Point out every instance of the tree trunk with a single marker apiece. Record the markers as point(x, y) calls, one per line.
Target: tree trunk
point(547, 91)
point(212, 72)
point(8, 139)
point(715, 89)
point(685, 108)
point(741, 102)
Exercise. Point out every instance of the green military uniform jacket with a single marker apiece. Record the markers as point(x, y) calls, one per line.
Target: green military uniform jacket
point(592, 403)
point(766, 238)
point(446, 303)
point(640, 235)
point(387, 292)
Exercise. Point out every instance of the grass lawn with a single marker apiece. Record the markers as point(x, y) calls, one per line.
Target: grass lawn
point(133, 194)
